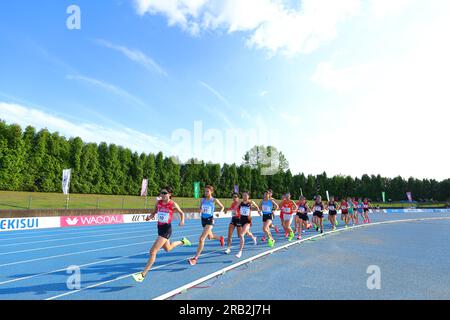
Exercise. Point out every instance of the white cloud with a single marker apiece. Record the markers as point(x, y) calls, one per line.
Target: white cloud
point(215, 92)
point(263, 93)
point(135, 56)
point(89, 132)
point(345, 79)
point(273, 25)
point(383, 8)
point(397, 108)
point(178, 12)
point(110, 88)
point(291, 119)
point(220, 114)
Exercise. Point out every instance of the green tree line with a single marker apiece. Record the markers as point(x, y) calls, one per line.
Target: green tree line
point(33, 161)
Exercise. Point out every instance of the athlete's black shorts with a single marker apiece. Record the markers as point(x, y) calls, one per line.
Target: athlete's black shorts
point(207, 221)
point(366, 210)
point(318, 214)
point(245, 220)
point(303, 216)
point(267, 217)
point(332, 213)
point(236, 221)
point(165, 230)
point(344, 212)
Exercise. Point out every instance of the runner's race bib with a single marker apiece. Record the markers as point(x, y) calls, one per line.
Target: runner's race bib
point(287, 210)
point(245, 211)
point(266, 209)
point(301, 210)
point(318, 209)
point(206, 210)
point(163, 217)
point(233, 213)
point(331, 208)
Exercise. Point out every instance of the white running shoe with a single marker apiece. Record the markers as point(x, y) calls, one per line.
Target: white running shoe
point(255, 241)
point(228, 251)
point(239, 254)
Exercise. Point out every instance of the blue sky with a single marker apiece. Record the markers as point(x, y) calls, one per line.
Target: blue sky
point(347, 87)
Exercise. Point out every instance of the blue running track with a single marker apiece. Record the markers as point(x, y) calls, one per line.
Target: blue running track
point(414, 259)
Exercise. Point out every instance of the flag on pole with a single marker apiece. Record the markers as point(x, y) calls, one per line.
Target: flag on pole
point(196, 190)
point(383, 195)
point(328, 196)
point(301, 192)
point(144, 187)
point(66, 180)
point(409, 196)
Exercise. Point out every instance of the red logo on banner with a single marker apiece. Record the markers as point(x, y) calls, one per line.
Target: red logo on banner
point(80, 221)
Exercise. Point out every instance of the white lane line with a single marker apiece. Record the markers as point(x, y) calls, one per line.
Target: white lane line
point(79, 230)
point(129, 275)
point(69, 254)
point(248, 260)
point(51, 231)
point(63, 239)
point(84, 265)
point(72, 244)
point(147, 233)
point(83, 230)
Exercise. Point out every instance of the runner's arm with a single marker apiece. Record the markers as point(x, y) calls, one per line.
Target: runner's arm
point(256, 206)
point(220, 205)
point(152, 215)
point(295, 206)
point(178, 209)
point(277, 207)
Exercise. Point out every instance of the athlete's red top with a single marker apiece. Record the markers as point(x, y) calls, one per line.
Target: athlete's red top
point(164, 212)
point(366, 205)
point(287, 207)
point(344, 206)
point(235, 209)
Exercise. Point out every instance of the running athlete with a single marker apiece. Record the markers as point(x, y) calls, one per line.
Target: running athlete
point(288, 208)
point(267, 207)
point(302, 216)
point(351, 210)
point(332, 212)
point(318, 212)
point(355, 211)
point(245, 210)
point(207, 213)
point(235, 221)
point(164, 209)
point(343, 206)
point(272, 226)
point(360, 208)
point(366, 207)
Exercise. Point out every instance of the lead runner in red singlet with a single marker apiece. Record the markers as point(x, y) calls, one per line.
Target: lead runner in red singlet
point(164, 210)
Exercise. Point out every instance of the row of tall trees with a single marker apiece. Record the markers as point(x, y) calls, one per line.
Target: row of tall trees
point(33, 161)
